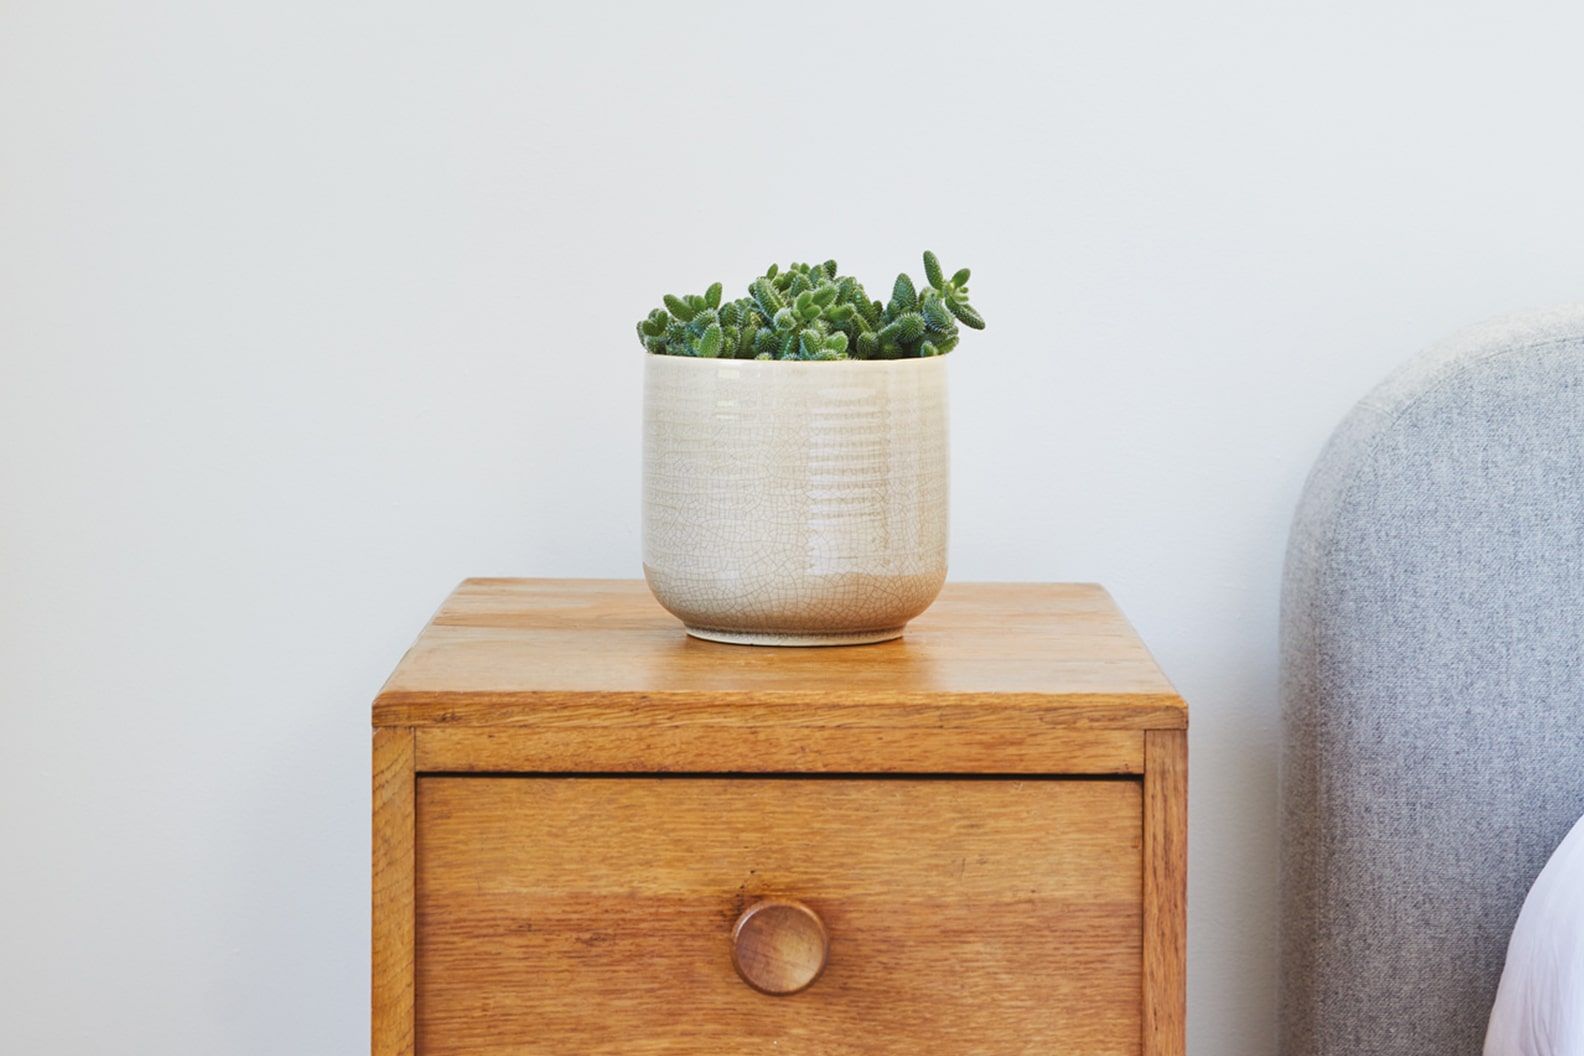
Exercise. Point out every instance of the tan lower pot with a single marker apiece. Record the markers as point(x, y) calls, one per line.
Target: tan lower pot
point(795, 503)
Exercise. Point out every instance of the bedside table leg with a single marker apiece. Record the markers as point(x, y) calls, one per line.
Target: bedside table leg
point(1165, 892)
point(392, 991)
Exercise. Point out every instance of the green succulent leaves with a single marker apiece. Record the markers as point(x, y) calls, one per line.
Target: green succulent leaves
point(953, 293)
point(678, 307)
point(709, 343)
point(809, 312)
point(904, 329)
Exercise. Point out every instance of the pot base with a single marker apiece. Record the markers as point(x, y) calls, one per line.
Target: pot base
point(798, 638)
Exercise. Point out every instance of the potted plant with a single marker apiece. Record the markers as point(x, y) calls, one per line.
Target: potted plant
point(795, 455)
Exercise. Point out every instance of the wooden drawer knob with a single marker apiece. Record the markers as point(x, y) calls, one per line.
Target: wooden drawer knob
point(779, 946)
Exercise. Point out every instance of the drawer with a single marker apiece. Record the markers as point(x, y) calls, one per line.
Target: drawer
point(595, 915)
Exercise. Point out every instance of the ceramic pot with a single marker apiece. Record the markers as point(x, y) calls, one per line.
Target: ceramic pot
point(791, 503)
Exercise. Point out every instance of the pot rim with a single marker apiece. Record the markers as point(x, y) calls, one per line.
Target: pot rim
point(911, 363)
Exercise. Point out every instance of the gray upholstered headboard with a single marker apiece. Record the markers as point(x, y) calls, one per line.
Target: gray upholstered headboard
point(1433, 689)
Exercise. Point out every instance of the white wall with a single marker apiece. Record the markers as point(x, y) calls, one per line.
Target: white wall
point(309, 309)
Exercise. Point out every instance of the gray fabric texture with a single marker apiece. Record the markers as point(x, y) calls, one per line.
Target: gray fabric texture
point(1432, 653)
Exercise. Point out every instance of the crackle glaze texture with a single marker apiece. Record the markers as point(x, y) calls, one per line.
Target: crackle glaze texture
point(795, 503)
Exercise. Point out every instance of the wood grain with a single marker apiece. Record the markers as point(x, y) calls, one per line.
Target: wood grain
point(771, 746)
point(393, 914)
point(592, 916)
point(586, 652)
point(1165, 892)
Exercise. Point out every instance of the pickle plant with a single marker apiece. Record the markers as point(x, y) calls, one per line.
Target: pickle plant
point(809, 312)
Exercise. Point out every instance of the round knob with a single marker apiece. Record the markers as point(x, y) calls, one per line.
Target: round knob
point(779, 947)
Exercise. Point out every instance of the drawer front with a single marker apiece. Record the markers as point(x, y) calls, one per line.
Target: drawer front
point(595, 916)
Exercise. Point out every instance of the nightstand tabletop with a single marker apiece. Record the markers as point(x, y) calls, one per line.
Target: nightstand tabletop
point(502, 652)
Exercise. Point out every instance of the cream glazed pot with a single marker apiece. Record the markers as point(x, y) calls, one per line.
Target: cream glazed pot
point(795, 503)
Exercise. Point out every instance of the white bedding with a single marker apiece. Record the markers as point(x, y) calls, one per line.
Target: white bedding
point(1540, 1003)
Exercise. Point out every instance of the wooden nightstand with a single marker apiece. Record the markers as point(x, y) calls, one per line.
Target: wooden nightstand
point(594, 835)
